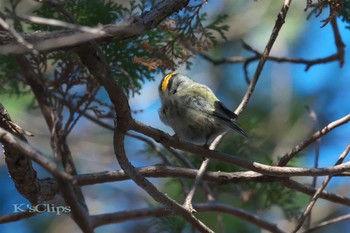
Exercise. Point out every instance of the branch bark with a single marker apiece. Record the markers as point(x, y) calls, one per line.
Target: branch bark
point(20, 167)
point(99, 220)
point(278, 25)
point(65, 39)
point(33, 154)
point(165, 139)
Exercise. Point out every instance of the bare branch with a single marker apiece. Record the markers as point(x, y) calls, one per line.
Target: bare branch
point(63, 39)
point(328, 222)
point(20, 167)
point(338, 42)
point(94, 59)
point(164, 138)
point(161, 171)
point(122, 216)
point(71, 194)
point(222, 208)
point(57, 23)
point(301, 146)
point(338, 56)
point(197, 181)
point(17, 36)
point(314, 119)
point(17, 216)
point(279, 23)
point(311, 191)
point(220, 177)
point(318, 192)
point(36, 156)
point(99, 220)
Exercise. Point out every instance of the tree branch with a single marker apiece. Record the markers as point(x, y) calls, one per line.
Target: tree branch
point(278, 25)
point(338, 56)
point(220, 177)
point(72, 195)
point(19, 166)
point(301, 146)
point(36, 156)
point(103, 219)
point(165, 139)
point(17, 216)
point(93, 58)
point(328, 222)
point(99, 68)
point(64, 39)
point(309, 207)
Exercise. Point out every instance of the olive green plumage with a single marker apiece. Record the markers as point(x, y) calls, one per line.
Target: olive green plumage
point(193, 111)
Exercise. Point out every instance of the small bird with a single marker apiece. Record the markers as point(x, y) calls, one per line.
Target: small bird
point(193, 111)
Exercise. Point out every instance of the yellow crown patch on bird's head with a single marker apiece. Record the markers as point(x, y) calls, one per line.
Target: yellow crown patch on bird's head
point(165, 81)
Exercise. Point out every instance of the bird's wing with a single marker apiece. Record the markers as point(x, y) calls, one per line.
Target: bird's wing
point(206, 102)
point(200, 98)
point(224, 113)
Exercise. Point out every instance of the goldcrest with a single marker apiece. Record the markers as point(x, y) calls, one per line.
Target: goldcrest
point(193, 111)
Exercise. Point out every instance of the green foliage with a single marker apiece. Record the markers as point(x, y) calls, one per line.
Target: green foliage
point(135, 61)
point(9, 78)
point(92, 13)
point(270, 194)
point(169, 225)
point(337, 8)
point(345, 13)
point(219, 26)
point(83, 12)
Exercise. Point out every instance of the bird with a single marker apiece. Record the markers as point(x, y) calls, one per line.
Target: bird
point(193, 111)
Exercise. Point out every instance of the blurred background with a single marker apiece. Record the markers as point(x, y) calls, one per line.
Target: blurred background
point(276, 119)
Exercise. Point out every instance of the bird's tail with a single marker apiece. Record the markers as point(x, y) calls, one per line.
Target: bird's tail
point(238, 129)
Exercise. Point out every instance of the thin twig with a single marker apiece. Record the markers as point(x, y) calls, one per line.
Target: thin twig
point(301, 146)
point(338, 56)
point(13, 217)
point(34, 155)
point(19, 38)
point(201, 171)
point(128, 28)
point(220, 177)
point(188, 200)
point(181, 158)
point(279, 23)
point(289, 183)
point(314, 119)
point(72, 195)
point(328, 222)
point(57, 23)
point(164, 138)
point(239, 213)
point(163, 156)
point(122, 216)
point(318, 192)
point(338, 42)
point(189, 164)
point(142, 138)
